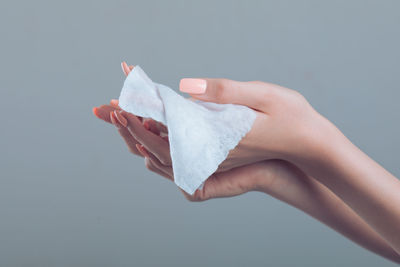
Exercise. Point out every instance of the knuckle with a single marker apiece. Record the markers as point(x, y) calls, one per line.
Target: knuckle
point(223, 84)
point(269, 94)
point(221, 89)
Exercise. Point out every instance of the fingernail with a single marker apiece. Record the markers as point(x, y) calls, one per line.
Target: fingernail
point(142, 150)
point(193, 86)
point(96, 112)
point(125, 68)
point(138, 148)
point(121, 118)
point(114, 102)
point(114, 119)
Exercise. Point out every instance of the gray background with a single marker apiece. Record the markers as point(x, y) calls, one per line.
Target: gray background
point(72, 195)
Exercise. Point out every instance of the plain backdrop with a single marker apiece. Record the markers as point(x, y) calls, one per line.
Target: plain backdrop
point(72, 195)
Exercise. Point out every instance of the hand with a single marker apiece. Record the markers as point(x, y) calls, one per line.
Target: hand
point(104, 112)
point(286, 125)
point(147, 139)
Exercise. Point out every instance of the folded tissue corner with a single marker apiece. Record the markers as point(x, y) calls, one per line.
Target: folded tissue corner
point(200, 134)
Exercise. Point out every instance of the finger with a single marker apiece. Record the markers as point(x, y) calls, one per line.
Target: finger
point(150, 125)
point(165, 169)
point(125, 68)
point(157, 127)
point(150, 166)
point(224, 91)
point(103, 112)
point(114, 103)
point(125, 134)
point(153, 143)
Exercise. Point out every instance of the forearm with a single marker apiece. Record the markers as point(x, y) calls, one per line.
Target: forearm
point(315, 199)
point(371, 191)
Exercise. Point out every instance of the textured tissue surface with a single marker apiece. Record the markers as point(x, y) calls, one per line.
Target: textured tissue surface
point(201, 134)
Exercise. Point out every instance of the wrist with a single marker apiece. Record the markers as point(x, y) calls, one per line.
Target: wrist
point(329, 152)
point(320, 142)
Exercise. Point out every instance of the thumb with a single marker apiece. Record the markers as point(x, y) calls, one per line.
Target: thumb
point(224, 91)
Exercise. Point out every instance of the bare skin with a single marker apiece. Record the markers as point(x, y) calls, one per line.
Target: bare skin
point(285, 149)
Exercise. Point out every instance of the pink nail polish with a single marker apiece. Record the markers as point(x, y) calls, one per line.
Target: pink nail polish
point(120, 118)
point(125, 68)
point(142, 150)
point(114, 102)
point(193, 86)
point(114, 120)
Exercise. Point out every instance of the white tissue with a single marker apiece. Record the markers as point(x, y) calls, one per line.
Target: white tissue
point(201, 134)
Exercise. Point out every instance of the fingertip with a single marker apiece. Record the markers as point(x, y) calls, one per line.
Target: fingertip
point(95, 111)
point(113, 119)
point(114, 102)
point(138, 148)
point(121, 118)
point(125, 68)
point(122, 67)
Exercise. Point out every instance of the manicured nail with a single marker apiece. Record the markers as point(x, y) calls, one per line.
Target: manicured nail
point(138, 148)
point(125, 68)
point(96, 112)
point(114, 120)
point(114, 102)
point(193, 86)
point(121, 118)
point(142, 150)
